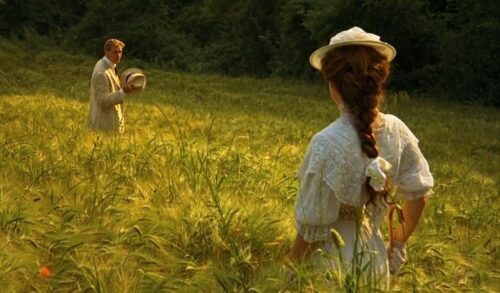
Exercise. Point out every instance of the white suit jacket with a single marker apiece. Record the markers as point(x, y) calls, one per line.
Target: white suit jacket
point(106, 102)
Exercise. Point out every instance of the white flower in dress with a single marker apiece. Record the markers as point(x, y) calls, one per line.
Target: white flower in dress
point(377, 170)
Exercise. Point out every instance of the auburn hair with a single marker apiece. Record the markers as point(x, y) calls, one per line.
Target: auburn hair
point(359, 73)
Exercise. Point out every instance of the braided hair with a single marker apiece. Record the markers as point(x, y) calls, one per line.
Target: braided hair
point(359, 74)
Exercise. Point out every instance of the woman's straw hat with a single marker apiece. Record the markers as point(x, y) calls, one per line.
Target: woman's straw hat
point(352, 36)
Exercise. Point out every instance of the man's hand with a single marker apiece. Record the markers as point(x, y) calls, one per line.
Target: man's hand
point(129, 88)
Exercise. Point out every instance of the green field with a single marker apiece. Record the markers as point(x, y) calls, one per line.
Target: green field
point(198, 194)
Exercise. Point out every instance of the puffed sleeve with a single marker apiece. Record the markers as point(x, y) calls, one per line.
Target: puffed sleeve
point(414, 177)
point(316, 207)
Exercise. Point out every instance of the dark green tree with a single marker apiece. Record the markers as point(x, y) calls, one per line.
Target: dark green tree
point(230, 37)
point(470, 50)
point(449, 47)
point(145, 26)
point(406, 24)
point(44, 17)
point(291, 41)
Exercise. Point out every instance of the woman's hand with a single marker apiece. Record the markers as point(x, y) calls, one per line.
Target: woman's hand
point(287, 271)
point(397, 257)
point(412, 211)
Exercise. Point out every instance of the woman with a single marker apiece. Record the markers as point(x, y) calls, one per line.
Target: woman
point(351, 167)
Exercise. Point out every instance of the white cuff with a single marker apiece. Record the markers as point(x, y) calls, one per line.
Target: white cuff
point(416, 194)
point(313, 233)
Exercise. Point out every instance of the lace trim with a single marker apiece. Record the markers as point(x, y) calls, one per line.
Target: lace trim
point(335, 163)
point(314, 233)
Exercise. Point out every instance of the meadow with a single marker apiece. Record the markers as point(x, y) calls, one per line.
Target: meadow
point(197, 195)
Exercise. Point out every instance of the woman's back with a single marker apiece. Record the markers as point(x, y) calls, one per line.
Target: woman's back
point(332, 177)
point(336, 152)
point(353, 166)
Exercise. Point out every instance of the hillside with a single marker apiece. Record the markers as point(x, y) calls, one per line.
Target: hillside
point(198, 194)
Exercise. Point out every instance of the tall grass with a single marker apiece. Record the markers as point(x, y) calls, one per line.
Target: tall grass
point(197, 195)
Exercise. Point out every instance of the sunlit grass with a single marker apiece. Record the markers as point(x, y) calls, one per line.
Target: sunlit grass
point(198, 194)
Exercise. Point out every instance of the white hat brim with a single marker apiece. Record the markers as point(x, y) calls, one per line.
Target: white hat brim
point(134, 75)
point(137, 79)
point(383, 48)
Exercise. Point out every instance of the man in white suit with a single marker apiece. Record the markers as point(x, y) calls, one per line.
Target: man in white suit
point(106, 93)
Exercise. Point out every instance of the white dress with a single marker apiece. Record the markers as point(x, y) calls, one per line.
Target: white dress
point(332, 177)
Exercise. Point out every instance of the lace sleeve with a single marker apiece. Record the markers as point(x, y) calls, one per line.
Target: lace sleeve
point(414, 179)
point(316, 207)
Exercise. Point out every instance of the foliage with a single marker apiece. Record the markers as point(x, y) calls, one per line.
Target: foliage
point(198, 194)
point(292, 42)
point(470, 48)
point(438, 42)
point(404, 24)
point(229, 37)
point(49, 17)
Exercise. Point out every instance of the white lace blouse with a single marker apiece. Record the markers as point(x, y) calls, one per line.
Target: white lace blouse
point(333, 172)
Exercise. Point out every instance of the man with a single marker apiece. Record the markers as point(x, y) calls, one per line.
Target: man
point(106, 93)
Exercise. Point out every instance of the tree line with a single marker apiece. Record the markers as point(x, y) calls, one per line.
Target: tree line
point(447, 47)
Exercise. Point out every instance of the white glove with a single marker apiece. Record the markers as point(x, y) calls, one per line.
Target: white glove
point(398, 256)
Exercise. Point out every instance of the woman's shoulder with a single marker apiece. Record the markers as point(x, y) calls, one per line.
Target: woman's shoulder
point(337, 136)
point(394, 124)
point(338, 131)
point(391, 120)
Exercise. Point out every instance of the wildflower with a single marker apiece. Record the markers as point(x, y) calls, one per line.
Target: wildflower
point(45, 272)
